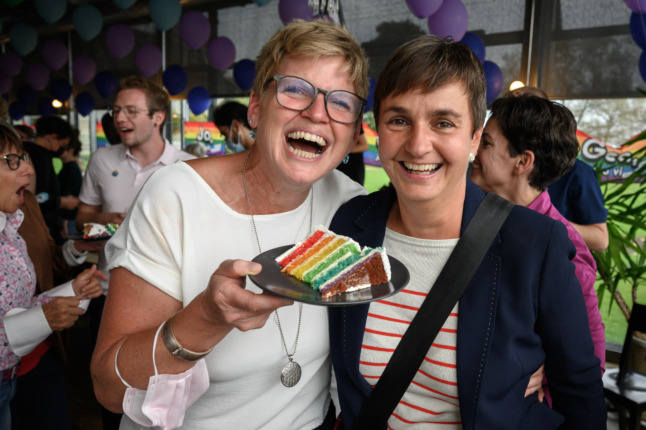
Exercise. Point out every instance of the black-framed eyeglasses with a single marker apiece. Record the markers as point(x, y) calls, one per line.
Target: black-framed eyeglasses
point(13, 160)
point(128, 111)
point(297, 94)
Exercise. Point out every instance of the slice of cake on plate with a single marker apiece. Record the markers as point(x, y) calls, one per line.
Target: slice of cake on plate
point(93, 230)
point(334, 264)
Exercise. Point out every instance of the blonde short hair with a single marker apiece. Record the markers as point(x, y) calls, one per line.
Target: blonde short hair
point(318, 38)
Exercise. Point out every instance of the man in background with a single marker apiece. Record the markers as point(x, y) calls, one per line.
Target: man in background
point(231, 120)
point(116, 173)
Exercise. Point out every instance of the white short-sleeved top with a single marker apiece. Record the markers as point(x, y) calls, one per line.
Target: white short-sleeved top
point(175, 236)
point(114, 177)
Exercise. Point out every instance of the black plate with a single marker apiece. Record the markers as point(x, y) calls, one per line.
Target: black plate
point(280, 284)
point(79, 236)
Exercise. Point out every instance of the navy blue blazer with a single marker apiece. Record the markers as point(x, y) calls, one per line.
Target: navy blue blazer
point(522, 308)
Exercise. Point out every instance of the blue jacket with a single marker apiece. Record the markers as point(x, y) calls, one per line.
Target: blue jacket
point(523, 307)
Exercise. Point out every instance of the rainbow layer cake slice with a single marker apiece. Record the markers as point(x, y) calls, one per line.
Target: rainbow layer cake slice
point(334, 264)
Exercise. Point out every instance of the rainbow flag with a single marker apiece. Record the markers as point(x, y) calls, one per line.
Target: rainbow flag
point(206, 133)
point(101, 140)
point(617, 162)
point(371, 156)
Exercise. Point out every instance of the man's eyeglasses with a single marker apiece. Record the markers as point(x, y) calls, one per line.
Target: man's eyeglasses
point(128, 111)
point(297, 94)
point(13, 160)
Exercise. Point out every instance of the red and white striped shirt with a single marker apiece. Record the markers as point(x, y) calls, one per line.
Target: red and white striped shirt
point(431, 401)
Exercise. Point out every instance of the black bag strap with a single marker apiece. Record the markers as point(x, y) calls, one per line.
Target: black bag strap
point(451, 282)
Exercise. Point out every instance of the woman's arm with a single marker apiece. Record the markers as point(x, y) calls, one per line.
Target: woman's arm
point(134, 310)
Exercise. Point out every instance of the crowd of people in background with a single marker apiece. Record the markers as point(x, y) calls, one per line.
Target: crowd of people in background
point(169, 303)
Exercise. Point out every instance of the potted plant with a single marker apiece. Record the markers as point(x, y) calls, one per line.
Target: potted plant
point(624, 261)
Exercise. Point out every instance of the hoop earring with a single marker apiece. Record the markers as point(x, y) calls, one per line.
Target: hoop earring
point(346, 159)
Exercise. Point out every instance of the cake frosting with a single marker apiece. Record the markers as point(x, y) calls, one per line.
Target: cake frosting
point(334, 264)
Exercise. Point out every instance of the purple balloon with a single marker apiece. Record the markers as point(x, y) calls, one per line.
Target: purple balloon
point(10, 63)
point(55, 54)
point(16, 111)
point(6, 83)
point(149, 60)
point(84, 103)
point(37, 76)
point(83, 69)
point(493, 74)
point(244, 74)
point(222, 53)
point(476, 44)
point(294, 9)
point(638, 29)
point(120, 40)
point(637, 6)
point(106, 84)
point(198, 99)
point(424, 8)
point(451, 19)
point(194, 29)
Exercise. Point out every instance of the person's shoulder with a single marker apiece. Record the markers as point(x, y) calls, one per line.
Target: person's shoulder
point(106, 156)
point(109, 151)
point(533, 227)
point(372, 202)
point(582, 169)
point(36, 151)
point(530, 218)
point(335, 180)
point(173, 175)
point(172, 154)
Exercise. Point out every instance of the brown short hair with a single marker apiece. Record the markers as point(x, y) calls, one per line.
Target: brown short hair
point(428, 63)
point(317, 38)
point(157, 99)
point(546, 128)
point(527, 90)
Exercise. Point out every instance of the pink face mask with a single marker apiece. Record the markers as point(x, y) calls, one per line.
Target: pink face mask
point(162, 406)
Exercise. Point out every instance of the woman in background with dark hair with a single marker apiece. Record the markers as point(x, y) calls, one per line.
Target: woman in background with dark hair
point(26, 320)
point(527, 144)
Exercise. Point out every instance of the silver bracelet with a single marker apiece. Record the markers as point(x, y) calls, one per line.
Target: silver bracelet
point(171, 343)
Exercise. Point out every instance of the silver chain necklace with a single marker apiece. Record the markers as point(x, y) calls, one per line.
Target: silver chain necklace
point(291, 373)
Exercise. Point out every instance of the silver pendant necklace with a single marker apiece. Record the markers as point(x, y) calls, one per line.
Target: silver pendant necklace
point(291, 373)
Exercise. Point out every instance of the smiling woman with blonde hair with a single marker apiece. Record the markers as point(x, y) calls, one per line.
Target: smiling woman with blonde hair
point(178, 296)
